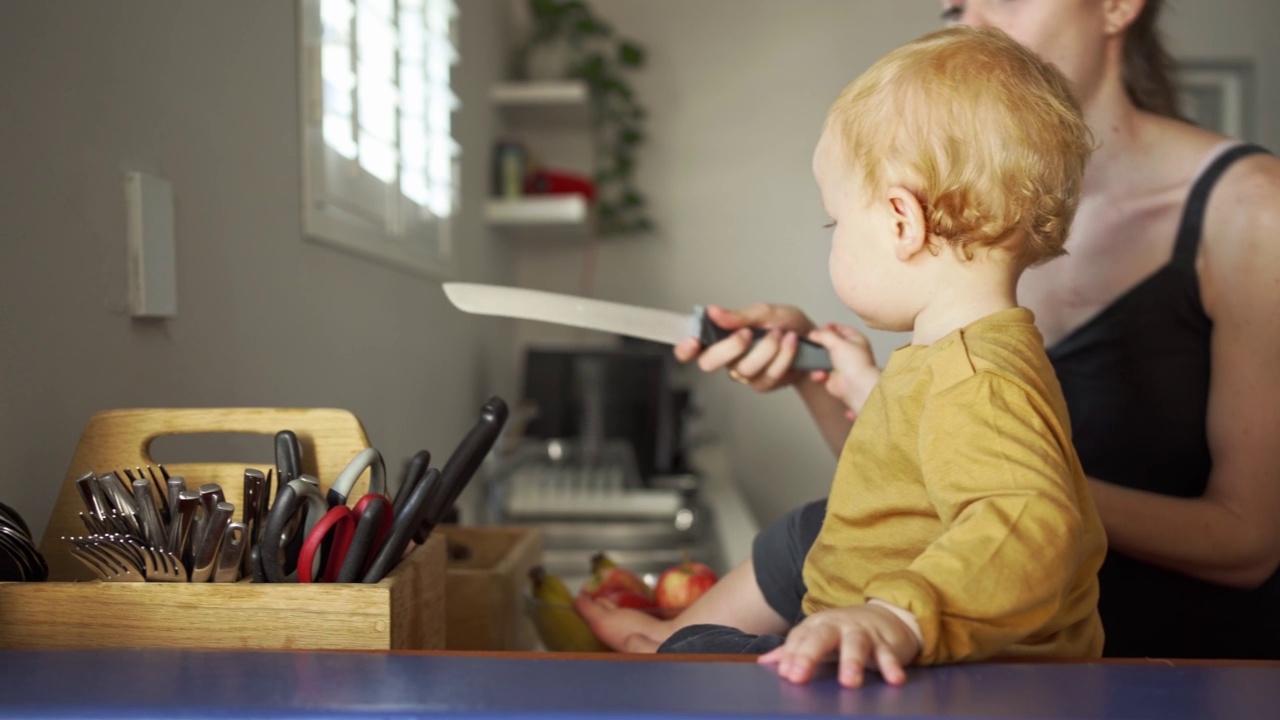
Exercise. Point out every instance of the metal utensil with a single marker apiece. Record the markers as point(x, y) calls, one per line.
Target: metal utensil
point(157, 563)
point(111, 562)
point(207, 553)
point(254, 489)
point(174, 486)
point(180, 528)
point(153, 529)
point(92, 496)
point(232, 553)
point(121, 498)
point(104, 569)
point(161, 493)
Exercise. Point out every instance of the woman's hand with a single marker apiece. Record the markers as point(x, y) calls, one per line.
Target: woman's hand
point(764, 367)
point(863, 636)
point(854, 370)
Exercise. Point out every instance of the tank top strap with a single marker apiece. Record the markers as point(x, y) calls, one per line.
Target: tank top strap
point(1192, 225)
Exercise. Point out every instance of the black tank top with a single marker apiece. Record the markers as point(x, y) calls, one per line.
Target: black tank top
point(1136, 381)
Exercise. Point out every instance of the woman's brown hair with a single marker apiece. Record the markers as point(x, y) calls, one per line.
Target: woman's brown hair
point(1150, 73)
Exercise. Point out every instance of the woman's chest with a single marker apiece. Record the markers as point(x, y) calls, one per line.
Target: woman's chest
point(1115, 245)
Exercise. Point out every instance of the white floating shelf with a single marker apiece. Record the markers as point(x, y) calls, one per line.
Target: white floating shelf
point(560, 103)
point(564, 216)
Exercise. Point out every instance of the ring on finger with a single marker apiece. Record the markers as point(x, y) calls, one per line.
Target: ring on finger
point(737, 376)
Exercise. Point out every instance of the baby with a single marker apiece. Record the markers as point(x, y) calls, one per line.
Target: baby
point(959, 524)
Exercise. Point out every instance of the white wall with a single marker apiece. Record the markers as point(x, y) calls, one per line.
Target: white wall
point(737, 90)
point(205, 95)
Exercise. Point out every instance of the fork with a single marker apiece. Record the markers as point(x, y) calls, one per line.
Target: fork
point(111, 548)
point(160, 565)
point(104, 568)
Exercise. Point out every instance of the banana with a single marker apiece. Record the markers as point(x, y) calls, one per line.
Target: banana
point(600, 561)
point(558, 623)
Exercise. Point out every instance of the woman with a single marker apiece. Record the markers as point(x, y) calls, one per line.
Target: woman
point(1162, 327)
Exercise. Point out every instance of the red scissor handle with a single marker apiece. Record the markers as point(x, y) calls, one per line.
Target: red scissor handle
point(342, 521)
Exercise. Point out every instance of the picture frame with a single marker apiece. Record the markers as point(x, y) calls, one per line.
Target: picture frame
point(1219, 94)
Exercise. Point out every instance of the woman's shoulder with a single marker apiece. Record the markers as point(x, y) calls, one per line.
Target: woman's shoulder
point(1193, 148)
point(1240, 242)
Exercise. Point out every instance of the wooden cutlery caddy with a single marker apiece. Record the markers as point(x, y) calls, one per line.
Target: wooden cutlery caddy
point(403, 611)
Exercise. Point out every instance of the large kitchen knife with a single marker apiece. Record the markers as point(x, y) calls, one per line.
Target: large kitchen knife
point(659, 325)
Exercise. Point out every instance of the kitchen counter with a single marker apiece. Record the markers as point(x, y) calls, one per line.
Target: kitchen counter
point(166, 683)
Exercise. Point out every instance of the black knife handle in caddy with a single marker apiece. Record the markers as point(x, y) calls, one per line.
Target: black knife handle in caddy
point(420, 499)
point(809, 355)
point(464, 462)
point(288, 469)
point(413, 473)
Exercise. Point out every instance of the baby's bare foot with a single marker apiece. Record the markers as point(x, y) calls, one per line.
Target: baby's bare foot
point(623, 629)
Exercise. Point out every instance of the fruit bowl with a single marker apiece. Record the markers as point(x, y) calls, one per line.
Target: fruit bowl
point(562, 629)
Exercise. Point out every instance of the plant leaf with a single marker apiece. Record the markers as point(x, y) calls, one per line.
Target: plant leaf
point(630, 54)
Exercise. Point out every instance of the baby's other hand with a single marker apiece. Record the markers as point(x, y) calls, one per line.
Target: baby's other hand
point(854, 370)
point(860, 637)
point(764, 366)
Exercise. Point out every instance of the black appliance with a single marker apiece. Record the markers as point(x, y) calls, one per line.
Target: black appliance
point(591, 394)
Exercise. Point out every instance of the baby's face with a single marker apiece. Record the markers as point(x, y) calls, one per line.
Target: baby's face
point(865, 272)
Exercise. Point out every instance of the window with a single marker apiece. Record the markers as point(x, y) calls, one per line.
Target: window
point(379, 162)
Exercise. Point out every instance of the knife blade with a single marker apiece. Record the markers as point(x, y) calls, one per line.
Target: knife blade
point(663, 326)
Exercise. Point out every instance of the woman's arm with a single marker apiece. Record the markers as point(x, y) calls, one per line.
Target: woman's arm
point(1230, 535)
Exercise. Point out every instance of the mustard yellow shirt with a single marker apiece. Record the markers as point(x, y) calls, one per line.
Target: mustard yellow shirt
point(959, 497)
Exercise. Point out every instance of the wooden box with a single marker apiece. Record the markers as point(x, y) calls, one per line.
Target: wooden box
point(488, 573)
point(403, 611)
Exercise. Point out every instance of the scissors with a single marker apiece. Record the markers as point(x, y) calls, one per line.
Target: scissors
point(344, 533)
point(355, 533)
point(297, 501)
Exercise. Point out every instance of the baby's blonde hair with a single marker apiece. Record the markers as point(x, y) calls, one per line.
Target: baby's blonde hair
point(987, 135)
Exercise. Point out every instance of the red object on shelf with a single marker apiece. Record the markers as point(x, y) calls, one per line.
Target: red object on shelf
point(559, 182)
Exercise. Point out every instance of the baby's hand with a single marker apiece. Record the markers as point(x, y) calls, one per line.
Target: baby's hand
point(865, 636)
point(854, 370)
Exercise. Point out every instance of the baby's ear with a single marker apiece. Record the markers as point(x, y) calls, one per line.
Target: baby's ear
point(911, 235)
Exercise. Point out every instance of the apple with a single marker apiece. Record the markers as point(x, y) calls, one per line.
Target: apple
point(619, 585)
point(680, 585)
point(628, 599)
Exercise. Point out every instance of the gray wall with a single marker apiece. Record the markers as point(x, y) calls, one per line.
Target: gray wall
point(737, 90)
point(205, 94)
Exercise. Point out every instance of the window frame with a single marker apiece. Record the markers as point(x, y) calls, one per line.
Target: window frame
point(408, 237)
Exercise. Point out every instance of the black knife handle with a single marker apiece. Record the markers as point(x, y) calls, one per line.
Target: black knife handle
point(288, 458)
point(418, 465)
point(809, 355)
point(464, 462)
point(415, 510)
point(365, 542)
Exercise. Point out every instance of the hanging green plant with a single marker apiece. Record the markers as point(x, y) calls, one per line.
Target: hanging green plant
point(594, 54)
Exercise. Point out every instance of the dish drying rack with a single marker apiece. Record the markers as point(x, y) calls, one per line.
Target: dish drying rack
point(562, 480)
